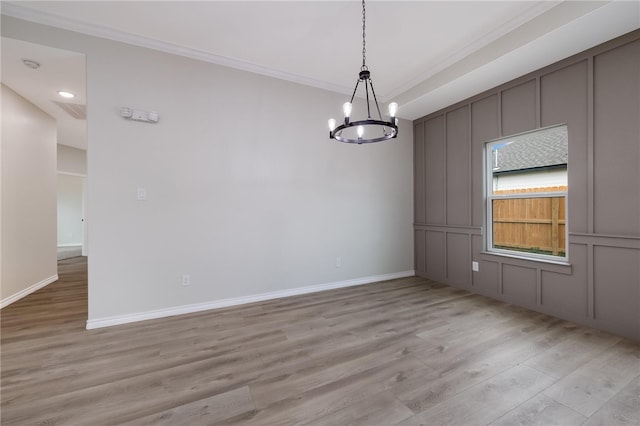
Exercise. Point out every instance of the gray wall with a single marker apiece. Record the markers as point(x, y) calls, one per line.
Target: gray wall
point(597, 93)
point(245, 191)
point(27, 198)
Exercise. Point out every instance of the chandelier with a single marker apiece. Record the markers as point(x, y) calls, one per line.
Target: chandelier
point(375, 130)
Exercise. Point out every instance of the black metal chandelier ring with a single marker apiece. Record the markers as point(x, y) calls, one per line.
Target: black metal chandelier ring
point(337, 132)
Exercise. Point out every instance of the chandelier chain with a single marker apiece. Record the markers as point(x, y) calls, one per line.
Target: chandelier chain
point(364, 34)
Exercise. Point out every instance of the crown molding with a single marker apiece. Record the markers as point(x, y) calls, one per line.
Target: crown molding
point(20, 12)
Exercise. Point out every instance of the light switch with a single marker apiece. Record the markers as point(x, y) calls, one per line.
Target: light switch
point(142, 194)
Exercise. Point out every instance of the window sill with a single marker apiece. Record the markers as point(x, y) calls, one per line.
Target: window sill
point(559, 266)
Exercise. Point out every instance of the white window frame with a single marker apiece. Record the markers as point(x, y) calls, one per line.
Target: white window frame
point(490, 197)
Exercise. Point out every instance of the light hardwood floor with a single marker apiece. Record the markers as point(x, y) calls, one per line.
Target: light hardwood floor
point(405, 352)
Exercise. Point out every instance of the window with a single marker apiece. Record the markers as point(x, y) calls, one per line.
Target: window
point(526, 187)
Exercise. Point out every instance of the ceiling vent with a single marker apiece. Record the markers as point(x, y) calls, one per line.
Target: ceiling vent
point(74, 110)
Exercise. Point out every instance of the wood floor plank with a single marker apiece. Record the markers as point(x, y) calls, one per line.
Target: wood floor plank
point(541, 411)
point(565, 357)
point(590, 386)
point(97, 368)
point(364, 357)
point(621, 410)
point(380, 410)
point(116, 402)
point(210, 410)
point(403, 351)
point(487, 401)
point(336, 395)
point(474, 363)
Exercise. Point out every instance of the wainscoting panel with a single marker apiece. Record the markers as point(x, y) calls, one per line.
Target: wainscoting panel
point(567, 295)
point(419, 178)
point(519, 108)
point(458, 259)
point(617, 303)
point(595, 93)
point(435, 170)
point(435, 254)
point(616, 142)
point(487, 280)
point(519, 285)
point(420, 251)
point(458, 167)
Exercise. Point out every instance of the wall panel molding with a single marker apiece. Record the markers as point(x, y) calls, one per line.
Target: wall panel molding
point(627, 241)
point(595, 287)
point(473, 230)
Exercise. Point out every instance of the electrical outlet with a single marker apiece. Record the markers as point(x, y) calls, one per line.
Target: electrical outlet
point(186, 279)
point(475, 266)
point(338, 262)
point(142, 194)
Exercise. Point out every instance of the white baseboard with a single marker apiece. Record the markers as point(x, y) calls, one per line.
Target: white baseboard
point(27, 291)
point(70, 245)
point(187, 309)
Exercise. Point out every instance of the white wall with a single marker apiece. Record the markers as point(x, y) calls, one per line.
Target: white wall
point(28, 241)
point(245, 192)
point(72, 160)
point(69, 210)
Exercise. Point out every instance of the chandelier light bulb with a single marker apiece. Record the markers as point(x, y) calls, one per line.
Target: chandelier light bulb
point(393, 109)
point(332, 124)
point(347, 109)
point(360, 131)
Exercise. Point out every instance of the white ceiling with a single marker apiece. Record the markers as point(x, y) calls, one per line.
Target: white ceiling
point(59, 70)
point(423, 54)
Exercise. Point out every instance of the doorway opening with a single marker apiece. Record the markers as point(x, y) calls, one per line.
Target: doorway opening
point(72, 199)
point(45, 136)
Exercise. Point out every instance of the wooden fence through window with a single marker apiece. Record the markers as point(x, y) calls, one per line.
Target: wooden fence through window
point(530, 224)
